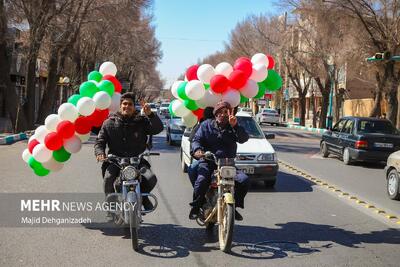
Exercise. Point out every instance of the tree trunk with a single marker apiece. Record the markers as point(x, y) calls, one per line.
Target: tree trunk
point(50, 92)
point(393, 104)
point(376, 109)
point(324, 109)
point(314, 111)
point(302, 107)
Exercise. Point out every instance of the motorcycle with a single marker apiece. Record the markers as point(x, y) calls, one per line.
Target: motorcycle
point(219, 206)
point(128, 193)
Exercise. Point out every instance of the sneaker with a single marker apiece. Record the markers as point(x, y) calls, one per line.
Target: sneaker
point(147, 205)
point(238, 216)
point(194, 213)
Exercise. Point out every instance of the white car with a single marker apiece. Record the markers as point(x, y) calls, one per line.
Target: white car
point(267, 115)
point(164, 111)
point(256, 157)
point(174, 130)
point(153, 107)
point(246, 110)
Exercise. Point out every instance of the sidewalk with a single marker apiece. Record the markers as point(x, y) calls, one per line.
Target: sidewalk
point(304, 128)
point(6, 136)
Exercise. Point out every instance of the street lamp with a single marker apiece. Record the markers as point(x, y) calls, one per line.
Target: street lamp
point(331, 69)
point(63, 81)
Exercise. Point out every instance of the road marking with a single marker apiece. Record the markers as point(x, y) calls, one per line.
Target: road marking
point(333, 188)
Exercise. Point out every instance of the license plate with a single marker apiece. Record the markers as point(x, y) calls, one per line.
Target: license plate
point(387, 145)
point(248, 170)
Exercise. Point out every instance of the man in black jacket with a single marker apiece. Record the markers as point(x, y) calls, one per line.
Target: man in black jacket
point(125, 133)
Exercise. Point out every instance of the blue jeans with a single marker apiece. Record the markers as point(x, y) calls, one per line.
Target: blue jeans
point(192, 171)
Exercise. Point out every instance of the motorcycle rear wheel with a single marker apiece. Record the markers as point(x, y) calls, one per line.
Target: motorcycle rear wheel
point(225, 228)
point(133, 223)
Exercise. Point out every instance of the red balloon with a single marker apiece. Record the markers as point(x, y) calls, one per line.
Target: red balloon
point(271, 62)
point(191, 73)
point(244, 64)
point(199, 113)
point(237, 79)
point(53, 141)
point(65, 129)
point(117, 84)
point(219, 83)
point(83, 125)
point(98, 117)
point(32, 145)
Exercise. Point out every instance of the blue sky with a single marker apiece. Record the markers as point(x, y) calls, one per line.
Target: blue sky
point(192, 29)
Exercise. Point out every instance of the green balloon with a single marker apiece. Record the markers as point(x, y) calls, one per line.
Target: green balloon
point(181, 91)
point(273, 82)
point(95, 76)
point(73, 99)
point(243, 99)
point(207, 86)
point(88, 89)
point(190, 104)
point(107, 86)
point(261, 90)
point(170, 109)
point(33, 163)
point(61, 155)
point(41, 171)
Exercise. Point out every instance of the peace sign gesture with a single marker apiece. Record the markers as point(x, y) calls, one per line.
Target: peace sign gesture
point(146, 107)
point(232, 118)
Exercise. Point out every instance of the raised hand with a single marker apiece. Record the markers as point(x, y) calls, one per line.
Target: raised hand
point(232, 119)
point(146, 107)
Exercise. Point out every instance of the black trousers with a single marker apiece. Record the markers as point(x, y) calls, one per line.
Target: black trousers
point(110, 173)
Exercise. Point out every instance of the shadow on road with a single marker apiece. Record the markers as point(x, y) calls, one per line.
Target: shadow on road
point(285, 182)
point(298, 149)
point(290, 239)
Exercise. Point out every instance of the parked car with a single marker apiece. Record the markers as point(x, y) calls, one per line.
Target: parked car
point(246, 110)
point(392, 176)
point(256, 157)
point(267, 115)
point(361, 139)
point(153, 107)
point(164, 111)
point(174, 129)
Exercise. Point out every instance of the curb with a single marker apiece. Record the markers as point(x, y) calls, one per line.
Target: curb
point(11, 139)
point(314, 130)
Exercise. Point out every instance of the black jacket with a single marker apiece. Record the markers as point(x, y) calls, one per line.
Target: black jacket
point(126, 137)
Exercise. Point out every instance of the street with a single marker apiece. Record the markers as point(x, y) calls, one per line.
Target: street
point(298, 223)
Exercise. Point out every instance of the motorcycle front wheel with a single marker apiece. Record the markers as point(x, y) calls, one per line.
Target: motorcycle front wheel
point(225, 228)
point(133, 225)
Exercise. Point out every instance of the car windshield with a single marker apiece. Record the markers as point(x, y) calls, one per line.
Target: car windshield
point(269, 111)
point(152, 105)
point(165, 105)
point(251, 127)
point(371, 126)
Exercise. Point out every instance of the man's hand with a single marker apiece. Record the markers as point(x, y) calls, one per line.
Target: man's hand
point(100, 157)
point(199, 154)
point(146, 108)
point(232, 118)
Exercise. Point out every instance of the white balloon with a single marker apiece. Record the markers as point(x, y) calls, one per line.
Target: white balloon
point(260, 73)
point(115, 102)
point(210, 99)
point(41, 133)
point(84, 137)
point(179, 109)
point(205, 72)
point(224, 68)
point(51, 122)
point(31, 138)
point(102, 100)
point(86, 106)
point(73, 144)
point(250, 89)
point(189, 120)
point(68, 112)
point(53, 165)
point(26, 155)
point(108, 68)
point(231, 96)
point(195, 90)
point(41, 153)
point(259, 58)
point(174, 88)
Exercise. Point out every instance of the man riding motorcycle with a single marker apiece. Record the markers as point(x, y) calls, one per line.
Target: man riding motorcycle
point(126, 134)
point(219, 136)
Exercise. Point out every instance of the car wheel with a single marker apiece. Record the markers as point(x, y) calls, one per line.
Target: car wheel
point(393, 182)
point(346, 156)
point(270, 183)
point(324, 150)
point(184, 167)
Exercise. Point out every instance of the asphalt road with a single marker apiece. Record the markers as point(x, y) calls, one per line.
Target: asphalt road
point(296, 224)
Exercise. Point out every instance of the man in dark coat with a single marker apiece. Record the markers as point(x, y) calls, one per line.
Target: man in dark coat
point(219, 136)
point(126, 133)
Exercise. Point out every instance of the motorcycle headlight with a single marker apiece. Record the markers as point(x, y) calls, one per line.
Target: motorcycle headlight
point(267, 157)
point(228, 172)
point(129, 173)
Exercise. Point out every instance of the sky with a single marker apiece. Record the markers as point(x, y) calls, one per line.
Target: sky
point(190, 30)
